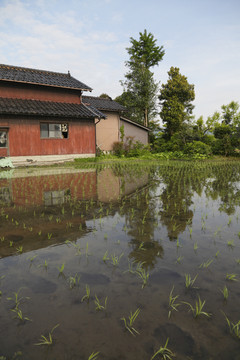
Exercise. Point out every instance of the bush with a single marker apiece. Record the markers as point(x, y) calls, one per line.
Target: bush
point(197, 147)
point(118, 148)
point(129, 148)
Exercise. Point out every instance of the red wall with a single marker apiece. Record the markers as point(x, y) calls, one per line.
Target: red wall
point(44, 93)
point(24, 138)
point(3, 152)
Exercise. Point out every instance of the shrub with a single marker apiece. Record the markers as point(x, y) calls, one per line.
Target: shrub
point(197, 147)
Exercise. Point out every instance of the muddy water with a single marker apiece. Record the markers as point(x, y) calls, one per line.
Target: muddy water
point(162, 221)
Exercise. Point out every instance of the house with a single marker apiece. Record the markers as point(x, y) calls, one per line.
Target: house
point(42, 116)
point(108, 130)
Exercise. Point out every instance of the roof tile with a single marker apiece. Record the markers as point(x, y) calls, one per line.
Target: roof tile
point(40, 77)
point(47, 108)
point(103, 103)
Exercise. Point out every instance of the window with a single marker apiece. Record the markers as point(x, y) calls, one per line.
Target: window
point(56, 131)
point(57, 197)
point(3, 139)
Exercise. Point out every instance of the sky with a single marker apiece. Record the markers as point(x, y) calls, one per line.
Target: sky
point(89, 38)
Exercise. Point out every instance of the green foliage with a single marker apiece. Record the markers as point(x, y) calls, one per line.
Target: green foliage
point(140, 89)
point(145, 51)
point(129, 148)
point(197, 147)
point(176, 98)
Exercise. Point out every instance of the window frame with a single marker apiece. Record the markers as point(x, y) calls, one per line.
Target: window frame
point(52, 130)
point(4, 130)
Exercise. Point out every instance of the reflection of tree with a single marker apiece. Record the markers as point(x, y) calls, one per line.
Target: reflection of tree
point(146, 252)
point(176, 200)
point(225, 186)
point(141, 221)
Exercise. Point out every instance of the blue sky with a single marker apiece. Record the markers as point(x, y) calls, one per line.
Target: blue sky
point(89, 38)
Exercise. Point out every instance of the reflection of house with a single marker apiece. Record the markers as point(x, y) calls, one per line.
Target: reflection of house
point(108, 131)
point(42, 115)
point(52, 187)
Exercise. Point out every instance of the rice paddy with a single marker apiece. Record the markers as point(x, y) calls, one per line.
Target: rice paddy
point(114, 262)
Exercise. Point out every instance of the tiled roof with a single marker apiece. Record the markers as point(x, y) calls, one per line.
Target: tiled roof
point(47, 108)
point(103, 104)
point(40, 77)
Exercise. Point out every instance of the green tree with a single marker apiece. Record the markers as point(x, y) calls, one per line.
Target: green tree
point(231, 114)
point(140, 88)
point(176, 98)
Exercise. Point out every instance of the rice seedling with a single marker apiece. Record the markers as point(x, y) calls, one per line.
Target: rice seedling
point(198, 309)
point(49, 235)
point(19, 249)
point(237, 261)
point(47, 340)
point(73, 281)
point(206, 264)
point(87, 253)
point(2, 277)
point(164, 352)
point(14, 357)
point(230, 243)
point(179, 260)
point(195, 247)
point(189, 282)
point(61, 269)
point(100, 307)
point(19, 315)
point(45, 265)
point(234, 328)
point(105, 256)
point(93, 356)
point(190, 231)
point(217, 253)
point(31, 258)
point(225, 292)
point(172, 304)
point(130, 321)
point(2, 238)
point(17, 299)
point(116, 259)
point(142, 273)
point(231, 277)
point(141, 246)
point(178, 244)
point(87, 295)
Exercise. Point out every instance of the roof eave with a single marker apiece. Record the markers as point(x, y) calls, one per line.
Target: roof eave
point(47, 85)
